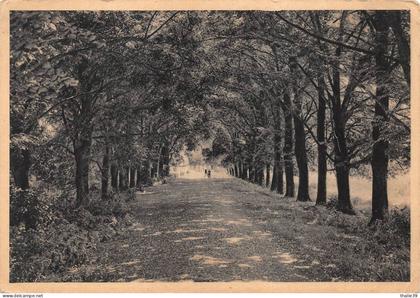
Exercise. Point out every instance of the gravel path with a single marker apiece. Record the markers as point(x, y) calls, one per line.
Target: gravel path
point(211, 230)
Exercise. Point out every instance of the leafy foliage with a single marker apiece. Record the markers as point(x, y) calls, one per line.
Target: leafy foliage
point(107, 100)
point(68, 240)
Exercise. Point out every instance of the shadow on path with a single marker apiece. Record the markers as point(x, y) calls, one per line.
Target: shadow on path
point(206, 230)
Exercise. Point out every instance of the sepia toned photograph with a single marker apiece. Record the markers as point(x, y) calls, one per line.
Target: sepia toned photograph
point(209, 146)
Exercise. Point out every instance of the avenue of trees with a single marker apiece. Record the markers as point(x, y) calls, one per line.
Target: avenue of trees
point(327, 91)
point(107, 100)
point(115, 91)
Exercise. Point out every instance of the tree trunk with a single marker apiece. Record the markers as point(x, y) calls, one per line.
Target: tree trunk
point(280, 187)
point(259, 174)
point(253, 173)
point(120, 179)
point(250, 173)
point(105, 173)
point(286, 107)
point(127, 177)
point(123, 177)
point(277, 181)
point(300, 140)
point(139, 176)
point(341, 166)
point(157, 170)
point(153, 171)
point(276, 149)
point(341, 158)
point(149, 169)
point(244, 171)
point(82, 157)
point(132, 177)
point(165, 161)
point(114, 176)
point(288, 146)
point(144, 177)
point(380, 158)
point(82, 140)
point(274, 179)
point(20, 163)
point(321, 196)
point(302, 161)
point(344, 203)
point(267, 175)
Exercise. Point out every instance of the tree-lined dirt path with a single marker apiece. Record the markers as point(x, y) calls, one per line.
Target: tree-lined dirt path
point(215, 230)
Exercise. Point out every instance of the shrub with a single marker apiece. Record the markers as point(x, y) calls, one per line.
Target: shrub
point(65, 238)
point(35, 254)
point(131, 194)
point(332, 202)
point(378, 253)
point(24, 207)
point(111, 207)
point(81, 217)
point(30, 207)
point(394, 231)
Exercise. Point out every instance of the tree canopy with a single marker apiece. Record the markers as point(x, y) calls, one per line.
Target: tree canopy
point(120, 94)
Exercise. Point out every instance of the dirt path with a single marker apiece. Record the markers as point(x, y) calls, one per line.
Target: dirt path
point(213, 230)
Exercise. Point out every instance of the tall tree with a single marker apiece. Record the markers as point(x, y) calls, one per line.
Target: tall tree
point(380, 143)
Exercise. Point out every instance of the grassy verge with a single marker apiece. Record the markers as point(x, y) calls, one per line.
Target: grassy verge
point(342, 247)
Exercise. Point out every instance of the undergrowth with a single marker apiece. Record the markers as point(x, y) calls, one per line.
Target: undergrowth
point(354, 250)
point(380, 252)
point(48, 235)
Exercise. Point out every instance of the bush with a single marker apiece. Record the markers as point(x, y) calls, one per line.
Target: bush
point(131, 194)
point(393, 232)
point(65, 238)
point(332, 202)
point(81, 217)
point(35, 254)
point(378, 253)
point(23, 207)
point(29, 207)
point(116, 205)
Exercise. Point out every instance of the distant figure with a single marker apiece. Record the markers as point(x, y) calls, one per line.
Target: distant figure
point(208, 173)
